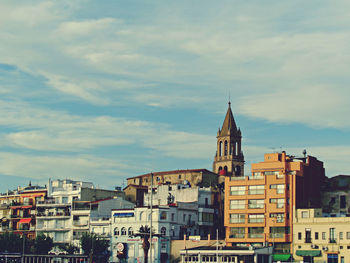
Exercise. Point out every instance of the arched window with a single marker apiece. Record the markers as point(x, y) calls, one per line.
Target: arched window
point(231, 147)
point(220, 148)
point(123, 231)
point(130, 231)
point(163, 231)
point(238, 170)
point(116, 231)
point(225, 148)
point(220, 168)
point(225, 168)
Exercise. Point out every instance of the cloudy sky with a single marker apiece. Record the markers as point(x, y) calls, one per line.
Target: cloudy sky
point(105, 90)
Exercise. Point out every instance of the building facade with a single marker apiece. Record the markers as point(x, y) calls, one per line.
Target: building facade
point(259, 208)
point(318, 239)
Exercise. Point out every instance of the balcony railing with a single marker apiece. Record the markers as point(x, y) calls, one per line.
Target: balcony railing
point(237, 235)
point(52, 214)
point(332, 240)
point(255, 235)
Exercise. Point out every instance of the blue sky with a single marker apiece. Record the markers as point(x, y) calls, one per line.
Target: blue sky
point(105, 90)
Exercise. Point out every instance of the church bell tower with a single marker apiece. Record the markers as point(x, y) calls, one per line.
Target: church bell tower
point(229, 159)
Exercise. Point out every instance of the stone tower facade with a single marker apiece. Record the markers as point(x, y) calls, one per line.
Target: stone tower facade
point(229, 159)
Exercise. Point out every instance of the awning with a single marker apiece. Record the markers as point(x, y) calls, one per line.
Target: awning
point(25, 220)
point(281, 257)
point(308, 253)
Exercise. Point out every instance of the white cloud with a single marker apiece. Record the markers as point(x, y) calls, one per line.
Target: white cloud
point(86, 27)
point(318, 105)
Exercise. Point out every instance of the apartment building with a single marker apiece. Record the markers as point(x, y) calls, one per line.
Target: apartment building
point(168, 222)
point(18, 210)
point(259, 208)
point(70, 206)
point(318, 239)
point(200, 197)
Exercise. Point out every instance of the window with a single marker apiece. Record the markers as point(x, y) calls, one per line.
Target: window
point(255, 203)
point(256, 218)
point(179, 176)
point(123, 231)
point(342, 202)
point(278, 201)
point(225, 148)
point(163, 215)
point(316, 235)
point(163, 231)
point(341, 236)
point(158, 179)
point(279, 188)
point(237, 190)
point(305, 214)
point(237, 204)
point(323, 235)
point(299, 236)
point(332, 235)
point(172, 217)
point(279, 217)
point(116, 231)
point(237, 232)
point(256, 189)
point(184, 217)
point(130, 231)
point(256, 232)
point(237, 218)
point(347, 235)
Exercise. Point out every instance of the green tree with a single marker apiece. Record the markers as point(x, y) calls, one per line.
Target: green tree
point(69, 248)
point(93, 243)
point(42, 244)
point(10, 242)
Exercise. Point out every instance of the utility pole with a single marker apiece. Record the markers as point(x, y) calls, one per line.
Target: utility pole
point(150, 231)
point(217, 245)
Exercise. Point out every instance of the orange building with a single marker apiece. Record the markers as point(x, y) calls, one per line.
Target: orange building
point(259, 208)
point(21, 204)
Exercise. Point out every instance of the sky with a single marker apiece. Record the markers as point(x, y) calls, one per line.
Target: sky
point(105, 90)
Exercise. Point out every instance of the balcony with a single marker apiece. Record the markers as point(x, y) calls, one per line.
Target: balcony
point(332, 241)
point(256, 235)
point(50, 203)
point(52, 214)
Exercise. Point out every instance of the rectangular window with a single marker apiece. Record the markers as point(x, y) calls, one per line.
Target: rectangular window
point(347, 235)
point(256, 203)
point(341, 235)
point(316, 235)
point(278, 201)
point(256, 218)
point(323, 235)
point(255, 232)
point(279, 217)
point(237, 218)
point(279, 188)
point(342, 202)
point(237, 232)
point(237, 190)
point(172, 217)
point(256, 189)
point(237, 204)
point(304, 214)
point(332, 235)
point(299, 236)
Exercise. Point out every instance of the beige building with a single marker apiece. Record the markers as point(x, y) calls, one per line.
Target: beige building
point(196, 177)
point(321, 239)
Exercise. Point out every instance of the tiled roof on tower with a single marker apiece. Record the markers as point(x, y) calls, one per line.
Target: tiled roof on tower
point(229, 123)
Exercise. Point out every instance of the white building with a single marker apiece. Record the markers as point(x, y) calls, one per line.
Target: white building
point(70, 207)
point(199, 197)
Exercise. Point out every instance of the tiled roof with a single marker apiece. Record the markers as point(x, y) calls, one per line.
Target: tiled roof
point(174, 172)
